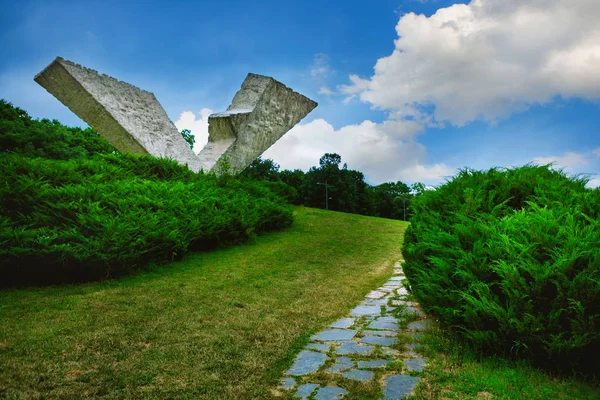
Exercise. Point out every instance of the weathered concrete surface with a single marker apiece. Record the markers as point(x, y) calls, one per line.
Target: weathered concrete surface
point(133, 121)
point(130, 119)
point(261, 112)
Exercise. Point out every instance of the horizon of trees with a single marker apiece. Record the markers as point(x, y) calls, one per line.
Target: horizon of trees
point(339, 188)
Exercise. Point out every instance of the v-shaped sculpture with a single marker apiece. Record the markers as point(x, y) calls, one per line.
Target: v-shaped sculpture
point(133, 121)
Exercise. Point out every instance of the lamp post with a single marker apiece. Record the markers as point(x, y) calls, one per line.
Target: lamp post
point(326, 194)
point(404, 197)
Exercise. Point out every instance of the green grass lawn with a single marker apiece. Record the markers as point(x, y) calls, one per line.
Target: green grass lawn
point(226, 324)
point(222, 324)
point(455, 372)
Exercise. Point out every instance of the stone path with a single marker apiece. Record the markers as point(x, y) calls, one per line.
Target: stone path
point(375, 343)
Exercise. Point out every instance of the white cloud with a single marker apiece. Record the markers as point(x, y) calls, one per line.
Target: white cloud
point(488, 59)
point(570, 161)
point(594, 183)
point(198, 127)
point(383, 152)
point(579, 164)
point(325, 91)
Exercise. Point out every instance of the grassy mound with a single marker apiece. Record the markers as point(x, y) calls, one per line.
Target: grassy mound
point(510, 260)
point(73, 209)
point(223, 324)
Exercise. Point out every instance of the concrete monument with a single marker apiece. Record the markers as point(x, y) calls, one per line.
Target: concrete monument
point(133, 121)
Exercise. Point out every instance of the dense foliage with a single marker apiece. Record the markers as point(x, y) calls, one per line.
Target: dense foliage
point(19, 133)
point(338, 188)
point(510, 260)
point(70, 210)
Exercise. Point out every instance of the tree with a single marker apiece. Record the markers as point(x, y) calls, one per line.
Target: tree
point(391, 199)
point(189, 138)
point(295, 179)
point(330, 159)
point(417, 188)
point(262, 170)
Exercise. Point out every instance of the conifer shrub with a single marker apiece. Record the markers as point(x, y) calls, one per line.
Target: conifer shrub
point(73, 209)
point(101, 217)
point(510, 260)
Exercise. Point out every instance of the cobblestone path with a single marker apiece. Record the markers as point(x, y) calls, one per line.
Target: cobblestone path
point(374, 345)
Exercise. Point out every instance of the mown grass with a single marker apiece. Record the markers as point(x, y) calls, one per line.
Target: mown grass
point(222, 324)
point(454, 371)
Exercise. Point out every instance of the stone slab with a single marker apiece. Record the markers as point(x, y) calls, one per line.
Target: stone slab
point(354, 348)
point(261, 112)
point(343, 323)
point(304, 391)
point(381, 340)
point(402, 291)
point(330, 393)
point(318, 346)
point(287, 383)
point(334, 335)
point(381, 302)
point(399, 386)
point(419, 326)
point(380, 333)
point(358, 375)
point(384, 325)
point(373, 364)
point(366, 310)
point(375, 294)
point(133, 121)
point(341, 364)
point(415, 364)
point(306, 363)
point(130, 119)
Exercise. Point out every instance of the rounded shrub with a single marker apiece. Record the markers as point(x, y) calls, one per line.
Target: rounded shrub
point(510, 260)
point(94, 218)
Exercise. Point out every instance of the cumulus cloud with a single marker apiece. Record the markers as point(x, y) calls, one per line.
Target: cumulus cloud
point(575, 163)
point(487, 59)
point(570, 161)
point(198, 126)
point(594, 183)
point(325, 91)
point(383, 152)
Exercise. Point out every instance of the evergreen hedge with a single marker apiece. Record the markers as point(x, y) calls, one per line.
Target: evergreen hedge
point(510, 260)
point(73, 209)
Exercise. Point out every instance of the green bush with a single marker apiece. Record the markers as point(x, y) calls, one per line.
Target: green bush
point(21, 134)
point(73, 209)
point(510, 260)
point(87, 219)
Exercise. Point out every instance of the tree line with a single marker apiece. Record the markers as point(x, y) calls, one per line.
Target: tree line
point(333, 186)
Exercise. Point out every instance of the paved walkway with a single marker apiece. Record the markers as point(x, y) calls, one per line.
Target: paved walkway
point(375, 343)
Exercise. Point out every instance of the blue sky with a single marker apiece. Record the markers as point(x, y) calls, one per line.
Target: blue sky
point(408, 90)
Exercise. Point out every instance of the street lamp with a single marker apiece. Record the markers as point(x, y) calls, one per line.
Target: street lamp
point(326, 194)
point(404, 197)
